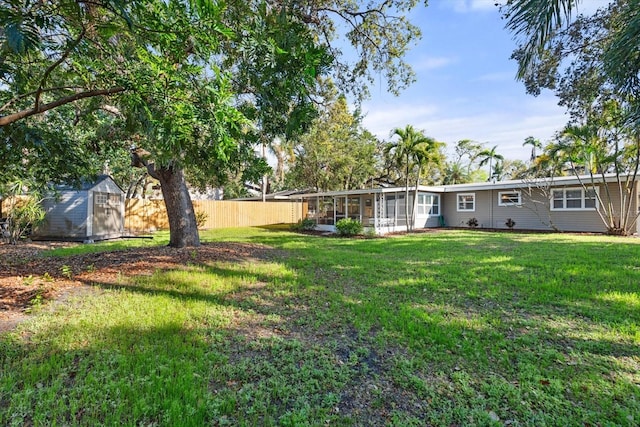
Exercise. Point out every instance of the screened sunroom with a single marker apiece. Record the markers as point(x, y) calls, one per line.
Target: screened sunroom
point(380, 209)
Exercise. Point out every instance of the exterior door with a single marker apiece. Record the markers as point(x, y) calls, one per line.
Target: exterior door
point(107, 218)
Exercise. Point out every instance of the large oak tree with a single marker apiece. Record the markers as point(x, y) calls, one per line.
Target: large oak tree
point(195, 82)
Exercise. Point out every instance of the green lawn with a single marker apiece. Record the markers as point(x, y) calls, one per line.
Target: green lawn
point(452, 328)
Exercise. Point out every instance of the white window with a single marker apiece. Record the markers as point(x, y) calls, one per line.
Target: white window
point(590, 199)
point(428, 204)
point(509, 198)
point(353, 207)
point(435, 205)
point(466, 202)
point(101, 198)
point(573, 199)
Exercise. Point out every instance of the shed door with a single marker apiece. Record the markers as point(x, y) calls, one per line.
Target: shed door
point(107, 219)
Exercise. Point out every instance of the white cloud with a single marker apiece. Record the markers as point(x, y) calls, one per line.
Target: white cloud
point(507, 128)
point(432, 63)
point(382, 119)
point(496, 77)
point(465, 6)
point(589, 7)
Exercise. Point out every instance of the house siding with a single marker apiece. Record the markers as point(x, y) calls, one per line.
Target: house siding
point(427, 222)
point(533, 214)
point(482, 212)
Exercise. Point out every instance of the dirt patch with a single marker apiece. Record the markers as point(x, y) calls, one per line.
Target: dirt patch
point(27, 277)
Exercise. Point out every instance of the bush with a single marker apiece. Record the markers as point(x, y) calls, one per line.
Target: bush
point(510, 223)
point(349, 227)
point(306, 224)
point(24, 215)
point(201, 218)
point(473, 223)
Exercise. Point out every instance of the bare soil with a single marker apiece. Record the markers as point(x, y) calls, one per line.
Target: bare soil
point(28, 278)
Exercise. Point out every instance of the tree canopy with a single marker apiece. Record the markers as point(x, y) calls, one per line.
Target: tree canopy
point(336, 153)
point(191, 85)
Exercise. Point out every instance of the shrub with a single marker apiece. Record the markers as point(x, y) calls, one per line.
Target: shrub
point(306, 224)
point(25, 214)
point(370, 233)
point(349, 227)
point(473, 223)
point(201, 218)
point(510, 223)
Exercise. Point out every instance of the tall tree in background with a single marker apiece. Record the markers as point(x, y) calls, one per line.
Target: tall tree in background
point(412, 152)
point(490, 157)
point(606, 43)
point(535, 146)
point(461, 169)
point(177, 69)
point(336, 153)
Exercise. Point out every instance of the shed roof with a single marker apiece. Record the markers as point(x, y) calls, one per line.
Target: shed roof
point(86, 185)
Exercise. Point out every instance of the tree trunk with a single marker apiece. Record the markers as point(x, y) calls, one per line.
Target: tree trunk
point(183, 228)
point(415, 199)
point(278, 151)
point(406, 197)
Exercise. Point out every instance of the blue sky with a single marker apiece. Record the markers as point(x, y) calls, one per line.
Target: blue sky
point(466, 87)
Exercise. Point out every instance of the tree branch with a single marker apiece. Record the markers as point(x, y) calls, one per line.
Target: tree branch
point(53, 66)
point(26, 95)
point(8, 119)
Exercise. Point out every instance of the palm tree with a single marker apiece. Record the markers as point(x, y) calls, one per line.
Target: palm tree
point(488, 156)
point(412, 149)
point(535, 145)
point(588, 153)
point(455, 174)
point(425, 153)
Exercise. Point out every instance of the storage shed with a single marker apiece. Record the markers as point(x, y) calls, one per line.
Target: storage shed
point(95, 211)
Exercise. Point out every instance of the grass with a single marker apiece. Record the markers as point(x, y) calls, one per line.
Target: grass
point(158, 239)
point(450, 328)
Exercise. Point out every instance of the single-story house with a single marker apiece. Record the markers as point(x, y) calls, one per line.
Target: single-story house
point(95, 211)
point(561, 203)
point(382, 209)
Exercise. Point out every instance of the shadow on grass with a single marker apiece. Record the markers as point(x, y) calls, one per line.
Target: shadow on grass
point(432, 329)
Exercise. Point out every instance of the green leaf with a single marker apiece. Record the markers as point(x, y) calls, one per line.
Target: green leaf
point(20, 38)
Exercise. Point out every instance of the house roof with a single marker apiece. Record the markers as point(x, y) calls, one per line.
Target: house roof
point(376, 190)
point(558, 181)
point(475, 186)
point(280, 195)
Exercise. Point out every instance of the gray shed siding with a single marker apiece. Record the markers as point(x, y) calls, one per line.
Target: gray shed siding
point(533, 214)
point(66, 216)
point(94, 212)
point(106, 186)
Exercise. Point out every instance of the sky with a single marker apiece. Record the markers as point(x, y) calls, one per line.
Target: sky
point(466, 86)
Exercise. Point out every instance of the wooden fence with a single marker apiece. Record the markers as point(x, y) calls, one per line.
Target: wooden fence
point(143, 215)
